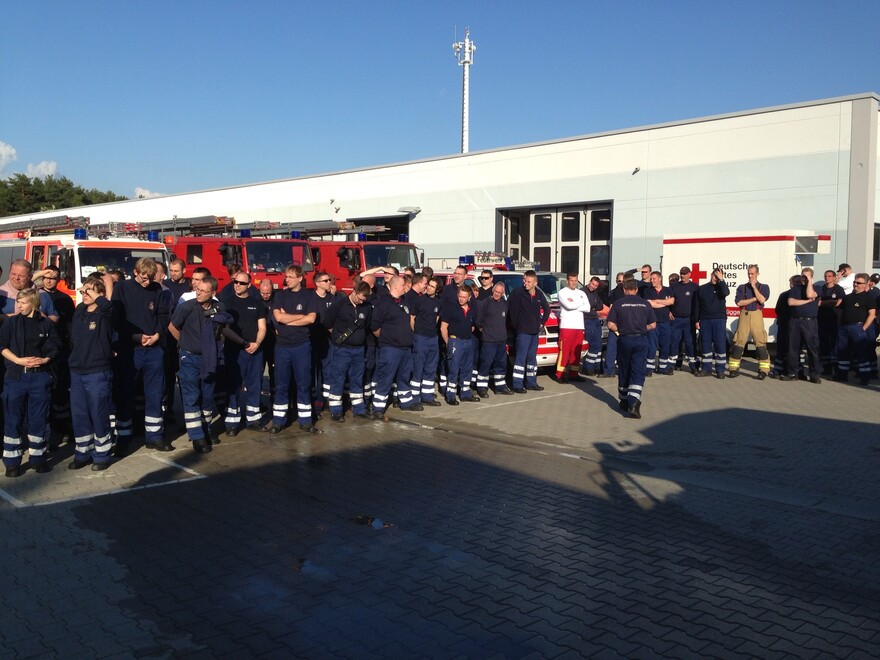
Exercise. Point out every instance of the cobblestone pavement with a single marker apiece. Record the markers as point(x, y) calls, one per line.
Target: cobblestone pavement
point(736, 519)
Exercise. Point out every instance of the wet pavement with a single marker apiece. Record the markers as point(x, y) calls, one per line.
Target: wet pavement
point(735, 519)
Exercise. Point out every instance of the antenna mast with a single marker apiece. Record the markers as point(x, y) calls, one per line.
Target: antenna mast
point(465, 50)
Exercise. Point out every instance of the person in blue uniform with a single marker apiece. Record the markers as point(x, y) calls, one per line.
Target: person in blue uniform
point(529, 310)
point(321, 345)
point(831, 296)
point(267, 297)
point(60, 427)
point(91, 374)
point(142, 321)
point(424, 311)
point(660, 299)
point(457, 323)
point(29, 343)
point(710, 311)
point(853, 344)
point(611, 344)
point(294, 310)
point(631, 318)
point(243, 356)
point(592, 362)
point(370, 345)
point(195, 325)
point(682, 321)
point(492, 321)
point(803, 328)
point(349, 321)
point(392, 326)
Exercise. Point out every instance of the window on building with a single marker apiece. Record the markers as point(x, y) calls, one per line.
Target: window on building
point(571, 227)
point(600, 225)
point(543, 228)
point(875, 253)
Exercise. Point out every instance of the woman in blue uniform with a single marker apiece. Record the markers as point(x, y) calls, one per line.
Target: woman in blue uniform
point(29, 344)
point(91, 374)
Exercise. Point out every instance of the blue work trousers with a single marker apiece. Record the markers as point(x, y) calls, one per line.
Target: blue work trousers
point(393, 365)
point(293, 363)
point(493, 364)
point(197, 394)
point(664, 340)
point(322, 353)
point(90, 413)
point(347, 364)
point(26, 404)
point(681, 332)
point(525, 364)
point(632, 357)
point(426, 354)
point(853, 347)
point(244, 379)
point(611, 354)
point(461, 360)
point(653, 336)
point(147, 364)
point(713, 339)
point(592, 362)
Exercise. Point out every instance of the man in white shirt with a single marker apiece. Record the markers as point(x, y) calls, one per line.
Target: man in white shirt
point(572, 304)
point(845, 277)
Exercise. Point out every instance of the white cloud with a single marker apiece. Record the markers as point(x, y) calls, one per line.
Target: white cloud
point(143, 193)
point(7, 155)
point(42, 169)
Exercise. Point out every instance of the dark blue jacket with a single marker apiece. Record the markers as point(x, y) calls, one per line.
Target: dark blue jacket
point(711, 301)
point(13, 336)
point(91, 338)
point(140, 311)
point(492, 319)
point(528, 312)
point(391, 316)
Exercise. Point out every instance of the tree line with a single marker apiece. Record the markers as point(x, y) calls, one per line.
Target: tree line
point(21, 194)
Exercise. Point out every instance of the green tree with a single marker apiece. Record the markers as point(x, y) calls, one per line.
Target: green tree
point(21, 194)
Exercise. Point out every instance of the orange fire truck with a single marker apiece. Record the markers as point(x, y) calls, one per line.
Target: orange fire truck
point(70, 244)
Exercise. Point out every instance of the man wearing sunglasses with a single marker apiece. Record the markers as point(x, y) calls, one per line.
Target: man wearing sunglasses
point(854, 340)
point(243, 356)
point(487, 281)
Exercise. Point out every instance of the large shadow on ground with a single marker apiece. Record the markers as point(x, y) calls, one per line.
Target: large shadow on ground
point(420, 546)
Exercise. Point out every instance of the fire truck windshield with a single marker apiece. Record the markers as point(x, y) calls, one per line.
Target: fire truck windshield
point(104, 257)
point(390, 254)
point(273, 256)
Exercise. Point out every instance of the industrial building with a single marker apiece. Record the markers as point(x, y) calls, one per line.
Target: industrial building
point(597, 203)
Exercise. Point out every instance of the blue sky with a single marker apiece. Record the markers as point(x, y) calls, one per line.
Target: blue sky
point(189, 95)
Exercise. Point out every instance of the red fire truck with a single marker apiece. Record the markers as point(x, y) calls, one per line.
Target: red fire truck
point(214, 242)
point(70, 244)
point(356, 252)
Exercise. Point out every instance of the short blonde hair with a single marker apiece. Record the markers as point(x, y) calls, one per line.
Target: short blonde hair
point(31, 294)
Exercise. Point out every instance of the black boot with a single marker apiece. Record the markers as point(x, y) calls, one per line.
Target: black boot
point(634, 410)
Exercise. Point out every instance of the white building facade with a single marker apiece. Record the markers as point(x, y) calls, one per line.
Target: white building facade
point(595, 204)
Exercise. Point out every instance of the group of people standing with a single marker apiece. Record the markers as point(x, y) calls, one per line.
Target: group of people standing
point(821, 330)
point(382, 344)
point(130, 339)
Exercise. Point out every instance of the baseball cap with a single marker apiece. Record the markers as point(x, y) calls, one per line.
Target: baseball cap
point(842, 267)
point(875, 278)
point(684, 270)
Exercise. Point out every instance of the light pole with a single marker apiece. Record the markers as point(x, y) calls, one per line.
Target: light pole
point(465, 50)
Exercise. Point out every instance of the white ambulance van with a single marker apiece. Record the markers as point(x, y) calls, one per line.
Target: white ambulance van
point(779, 254)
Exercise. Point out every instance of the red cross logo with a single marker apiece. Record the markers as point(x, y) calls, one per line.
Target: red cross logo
point(697, 274)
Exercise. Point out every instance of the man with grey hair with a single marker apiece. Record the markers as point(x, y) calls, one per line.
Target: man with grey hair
point(391, 325)
point(21, 275)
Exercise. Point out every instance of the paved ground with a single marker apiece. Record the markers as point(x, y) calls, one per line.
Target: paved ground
point(736, 519)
